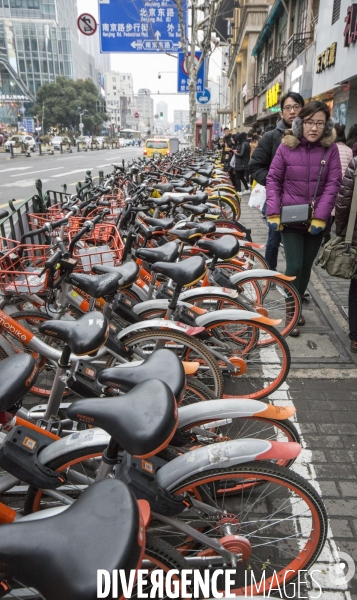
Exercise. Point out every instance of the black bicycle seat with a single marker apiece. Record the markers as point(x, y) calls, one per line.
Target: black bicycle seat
point(198, 198)
point(17, 375)
point(83, 336)
point(158, 201)
point(163, 223)
point(185, 235)
point(205, 172)
point(188, 175)
point(127, 272)
point(201, 180)
point(96, 286)
point(200, 209)
point(183, 273)
point(226, 247)
point(163, 187)
point(161, 364)
point(185, 190)
point(166, 253)
point(175, 182)
point(203, 227)
point(71, 546)
point(141, 422)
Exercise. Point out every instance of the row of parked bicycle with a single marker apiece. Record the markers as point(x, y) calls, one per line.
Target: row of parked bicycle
point(145, 320)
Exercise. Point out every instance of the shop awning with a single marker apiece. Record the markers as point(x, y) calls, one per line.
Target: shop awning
point(272, 18)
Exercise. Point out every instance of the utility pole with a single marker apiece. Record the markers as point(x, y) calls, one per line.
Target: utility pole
point(204, 114)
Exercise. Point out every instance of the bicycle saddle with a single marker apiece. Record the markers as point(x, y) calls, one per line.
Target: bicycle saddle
point(203, 227)
point(188, 175)
point(206, 172)
point(96, 286)
point(158, 201)
point(163, 223)
point(185, 234)
point(185, 190)
point(167, 253)
point(142, 422)
point(17, 375)
point(60, 555)
point(183, 273)
point(161, 364)
point(199, 198)
point(224, 248)
point(175, 182)
point(201, 180)
point(83, 336)
point(200, 209)
point(163, 187)
point(127, 272)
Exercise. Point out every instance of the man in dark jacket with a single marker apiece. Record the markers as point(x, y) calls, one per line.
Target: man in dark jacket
point(242, 155)
point(262, 157)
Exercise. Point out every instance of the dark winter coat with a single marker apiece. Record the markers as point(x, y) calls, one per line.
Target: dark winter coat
point(228, 141)
point(344, 200)
point(264, 153)
point(294, 172)
point(242, 156)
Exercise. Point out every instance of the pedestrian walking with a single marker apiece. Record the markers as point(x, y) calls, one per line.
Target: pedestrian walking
point(342, 213)
point(242, 155)
point(306, 170)
point(261, 159)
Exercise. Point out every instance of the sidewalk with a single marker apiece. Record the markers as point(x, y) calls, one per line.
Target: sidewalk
point(323, 387)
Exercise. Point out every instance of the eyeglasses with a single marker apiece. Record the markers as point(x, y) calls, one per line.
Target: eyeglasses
point(317, 124)
point(292, 108)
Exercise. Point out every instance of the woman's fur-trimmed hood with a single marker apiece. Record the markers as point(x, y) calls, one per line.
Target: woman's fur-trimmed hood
point(292, 136)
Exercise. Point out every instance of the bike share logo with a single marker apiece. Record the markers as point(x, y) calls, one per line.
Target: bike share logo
point(11, 329)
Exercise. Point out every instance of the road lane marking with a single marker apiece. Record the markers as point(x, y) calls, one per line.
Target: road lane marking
point(43, 171)
point(71, 172)
point(7, 203)
point(15, 169)
point(22, 183)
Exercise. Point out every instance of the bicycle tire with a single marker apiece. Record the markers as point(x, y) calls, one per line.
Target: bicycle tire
point(229, 207)
point(266, 368)
point(214, 381)
point(297, 498)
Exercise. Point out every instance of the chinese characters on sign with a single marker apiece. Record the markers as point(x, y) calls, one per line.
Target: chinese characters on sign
point(326, 58)
point(13, 98)
point(350, 32)
point(182, 79)
point(272, 95)
point(139, 26)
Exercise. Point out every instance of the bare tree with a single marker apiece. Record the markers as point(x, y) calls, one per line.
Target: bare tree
point(201, 38)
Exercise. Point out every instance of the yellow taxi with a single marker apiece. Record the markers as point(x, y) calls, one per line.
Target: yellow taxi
point(156, 147)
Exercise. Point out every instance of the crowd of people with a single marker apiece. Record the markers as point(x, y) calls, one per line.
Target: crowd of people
point(307, 162)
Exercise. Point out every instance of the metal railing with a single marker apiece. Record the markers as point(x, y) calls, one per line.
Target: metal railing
point(275, 66)
point(297, 43)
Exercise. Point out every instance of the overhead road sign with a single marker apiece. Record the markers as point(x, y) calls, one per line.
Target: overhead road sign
point(87, 24)
point(182, 74)
point(203, 97)
point(139, 26)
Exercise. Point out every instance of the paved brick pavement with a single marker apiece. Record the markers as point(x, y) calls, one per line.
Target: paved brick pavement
point(323, 388)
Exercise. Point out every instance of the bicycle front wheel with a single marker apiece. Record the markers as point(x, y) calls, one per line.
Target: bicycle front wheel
point(280, 523)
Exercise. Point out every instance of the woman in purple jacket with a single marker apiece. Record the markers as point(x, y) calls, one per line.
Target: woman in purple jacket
point(292, 180)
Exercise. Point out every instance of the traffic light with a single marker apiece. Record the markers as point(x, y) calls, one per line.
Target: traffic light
point(19, 116)
point(161, 115)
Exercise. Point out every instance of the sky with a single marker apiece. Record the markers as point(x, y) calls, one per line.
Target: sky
point(145, 69)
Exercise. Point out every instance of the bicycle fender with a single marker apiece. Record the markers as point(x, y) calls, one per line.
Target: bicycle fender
point(211, 290)
point(228, 314)
point(221, 456)
point(88, 438)
point(152, 304)
point(160, 324)
point(258, 273)
point(141, 293)
point(230, 409)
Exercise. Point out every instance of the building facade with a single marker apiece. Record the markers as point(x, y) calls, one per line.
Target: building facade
point(246, 26)
point(162, 122)
point(181, 120)
point(145, 109)
point(120, 103)
point(39, 39)
point(284, 54)
point(335, 65)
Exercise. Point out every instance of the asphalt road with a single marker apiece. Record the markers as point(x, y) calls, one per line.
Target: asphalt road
point(18, 175)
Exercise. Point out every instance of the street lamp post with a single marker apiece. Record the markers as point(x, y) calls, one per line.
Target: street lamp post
point(81, 113)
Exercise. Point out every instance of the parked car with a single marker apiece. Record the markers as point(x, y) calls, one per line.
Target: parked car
point(58, 140)
point(100, 139)
point(16, 139)
point(124, 142)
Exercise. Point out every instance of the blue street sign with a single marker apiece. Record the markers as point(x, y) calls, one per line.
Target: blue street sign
point(28, 124)
point(203, 97)
point(139, 26)
point(182, 75)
